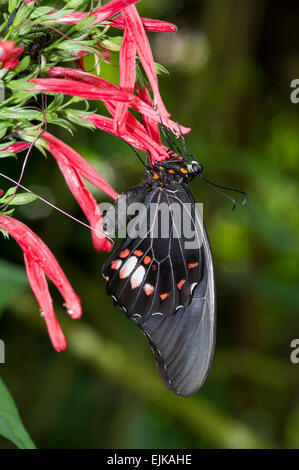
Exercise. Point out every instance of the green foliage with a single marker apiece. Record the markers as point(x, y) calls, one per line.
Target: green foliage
point(12, 281)
point(11, 425)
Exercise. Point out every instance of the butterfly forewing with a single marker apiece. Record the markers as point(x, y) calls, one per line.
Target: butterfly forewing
point(155, 272)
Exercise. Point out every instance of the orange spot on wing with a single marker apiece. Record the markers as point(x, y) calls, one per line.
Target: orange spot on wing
point(164, 296)
point(181, 283)
point(147, 260)
point(138, 253)
point(156, 177)
point(192, 265)
point(124, 253)
point(107, 278)
point(183, 170)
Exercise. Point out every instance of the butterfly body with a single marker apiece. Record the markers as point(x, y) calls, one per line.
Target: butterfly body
point(162, 277)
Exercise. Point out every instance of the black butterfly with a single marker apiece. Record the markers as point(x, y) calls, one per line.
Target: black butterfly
point(166, 283)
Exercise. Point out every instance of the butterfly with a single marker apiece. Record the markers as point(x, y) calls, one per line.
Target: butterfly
point(164, 281)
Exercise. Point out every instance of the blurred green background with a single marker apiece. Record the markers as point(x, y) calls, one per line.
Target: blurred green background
point(231, 64)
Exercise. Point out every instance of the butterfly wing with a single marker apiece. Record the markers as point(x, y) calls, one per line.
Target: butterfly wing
point(183, 343)
point(155, 272)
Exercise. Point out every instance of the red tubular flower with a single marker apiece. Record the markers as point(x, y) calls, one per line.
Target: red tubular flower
point(57, 148)
point(136, 28)
point(16, 147)
point(101, 14)
point(75, 88)
point(127, 76)
point(39, 262)
point(148, 24)
point(87, 203)
point(39, 286)
point(134, 134)
point(72, 166)
point(9, 54)
point(150, 125)
point(136, 103)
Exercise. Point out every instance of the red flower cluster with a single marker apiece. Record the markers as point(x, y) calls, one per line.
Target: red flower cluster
point(9, 54)
point(144, 136)
point(39, 261)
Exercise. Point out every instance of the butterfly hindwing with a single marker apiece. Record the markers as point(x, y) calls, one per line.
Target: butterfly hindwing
point(183, 343)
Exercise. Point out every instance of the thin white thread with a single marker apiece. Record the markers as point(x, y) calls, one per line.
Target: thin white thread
point(57, 208)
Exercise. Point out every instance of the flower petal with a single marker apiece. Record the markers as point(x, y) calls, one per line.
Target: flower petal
point(134, 135)
point(57, 147)
point(75, 88)
point(101, 14)
point(86, 201)
point(139, 105)
point(9, 54)
point(16, 147)
point(37, 250)
point(127, 76)
point(135, 25)
point(39, 286)
point(148, 24)
point(150, 125)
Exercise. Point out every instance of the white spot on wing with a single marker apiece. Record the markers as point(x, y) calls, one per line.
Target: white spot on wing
point(128, 267)
point(148, 289)
point(116, 264)
point(137, 277)
point(192, 286)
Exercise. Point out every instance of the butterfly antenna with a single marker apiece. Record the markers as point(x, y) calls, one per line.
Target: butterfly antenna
point(182, 139)
point(213, 185)
point(171, 144)
point(132, 148)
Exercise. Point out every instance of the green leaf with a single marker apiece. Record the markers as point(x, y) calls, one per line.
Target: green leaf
point(160, 69)
point(21, 16)
point(4, 232)
point(3, 129)
point(85, 23)
point(74, 117)
point(20, 85)
point(11, 425)
point(23, 64)
point(19, 199)
point(19, 113)
point(112, 43)
point(41, 11)
point(7, 154)
point(12, 5)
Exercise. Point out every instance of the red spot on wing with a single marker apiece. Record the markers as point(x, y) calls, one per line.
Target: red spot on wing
point(164, 296)
point(138, 253)
point(192, 265)
point(181, 283)
point(124, 253)
point(147, 260)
